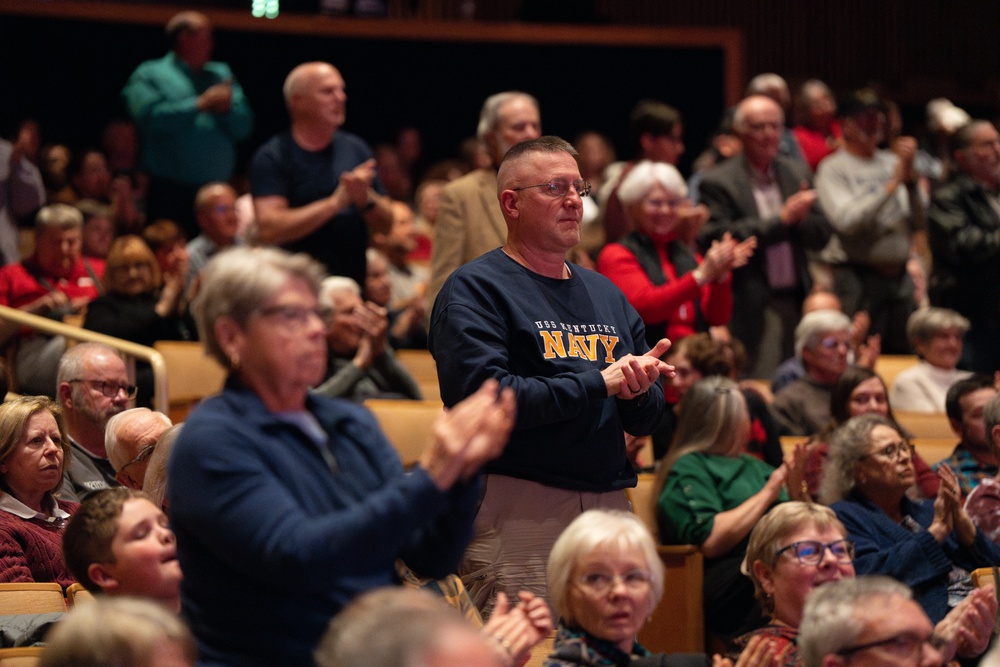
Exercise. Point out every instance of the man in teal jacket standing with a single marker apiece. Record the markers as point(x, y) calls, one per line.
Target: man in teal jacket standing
point(191, 113)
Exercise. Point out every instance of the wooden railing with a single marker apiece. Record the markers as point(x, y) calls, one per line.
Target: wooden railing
point(130, 350)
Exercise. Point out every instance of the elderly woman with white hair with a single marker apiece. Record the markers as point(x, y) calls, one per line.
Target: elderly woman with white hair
point(936, 335)
point(287, 504)
point(605, 578)
point(674, 290)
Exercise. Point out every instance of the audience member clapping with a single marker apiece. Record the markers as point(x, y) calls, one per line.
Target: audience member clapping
point(361, 364)
point(710, 492)
point(286, 504)
point(140, 304)
point(859, 391)
point(408, 318)
point(674, 290)
point(921, 543)
point(798, 548)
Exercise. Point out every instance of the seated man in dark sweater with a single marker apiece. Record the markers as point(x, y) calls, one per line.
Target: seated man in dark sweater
point(361, 365)
point(822, 341)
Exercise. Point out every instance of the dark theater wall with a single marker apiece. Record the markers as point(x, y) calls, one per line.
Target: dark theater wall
point(71, 72)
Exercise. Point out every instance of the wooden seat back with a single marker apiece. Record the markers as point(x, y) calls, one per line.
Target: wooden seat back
point(31, 598)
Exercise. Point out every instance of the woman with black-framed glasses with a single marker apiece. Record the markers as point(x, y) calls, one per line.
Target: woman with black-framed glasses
point(799, 547)
point(930, 546)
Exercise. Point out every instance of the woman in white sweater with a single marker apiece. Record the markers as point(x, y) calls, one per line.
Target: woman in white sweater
point(936, 335)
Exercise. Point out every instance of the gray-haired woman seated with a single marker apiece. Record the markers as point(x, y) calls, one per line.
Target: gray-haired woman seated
point(604, 579)
point(936, 335)
point(930, 546)
point(287, 505)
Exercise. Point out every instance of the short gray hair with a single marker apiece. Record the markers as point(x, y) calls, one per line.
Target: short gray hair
point(72, 361)
point(489, 115)
point(849, 444)
point(154, 484)
point(925, 323)
point(238, 281)
point(114, 630)
point(118, 456)
point(335, 284)
point(420, 624)
point(646, 174)
point(813, 325)
point(585, 533)
point(763, 84)
point(830, 622)
point(58, 216)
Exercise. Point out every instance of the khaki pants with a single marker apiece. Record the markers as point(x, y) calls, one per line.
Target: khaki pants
point(517, 524)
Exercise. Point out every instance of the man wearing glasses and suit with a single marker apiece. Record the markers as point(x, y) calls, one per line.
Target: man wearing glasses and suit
point(571, 347)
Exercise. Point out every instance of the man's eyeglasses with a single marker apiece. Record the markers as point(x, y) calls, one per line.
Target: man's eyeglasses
point(143, 454)
point(894, 451)
point(558, 187)
point(832, 343)
point(599, 583)
point(811, 552)
point(111, 389)
point(906, 646)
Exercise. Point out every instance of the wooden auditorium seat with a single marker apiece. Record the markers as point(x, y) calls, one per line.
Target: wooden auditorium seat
point(677, 624)
point(31, 598)
point(192, 375)
point(23, 656)
point(407, 424)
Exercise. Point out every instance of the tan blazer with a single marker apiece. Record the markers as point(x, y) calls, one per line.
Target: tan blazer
point(469, 224)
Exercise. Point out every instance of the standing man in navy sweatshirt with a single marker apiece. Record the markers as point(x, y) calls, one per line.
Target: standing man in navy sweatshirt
point(572, 348)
